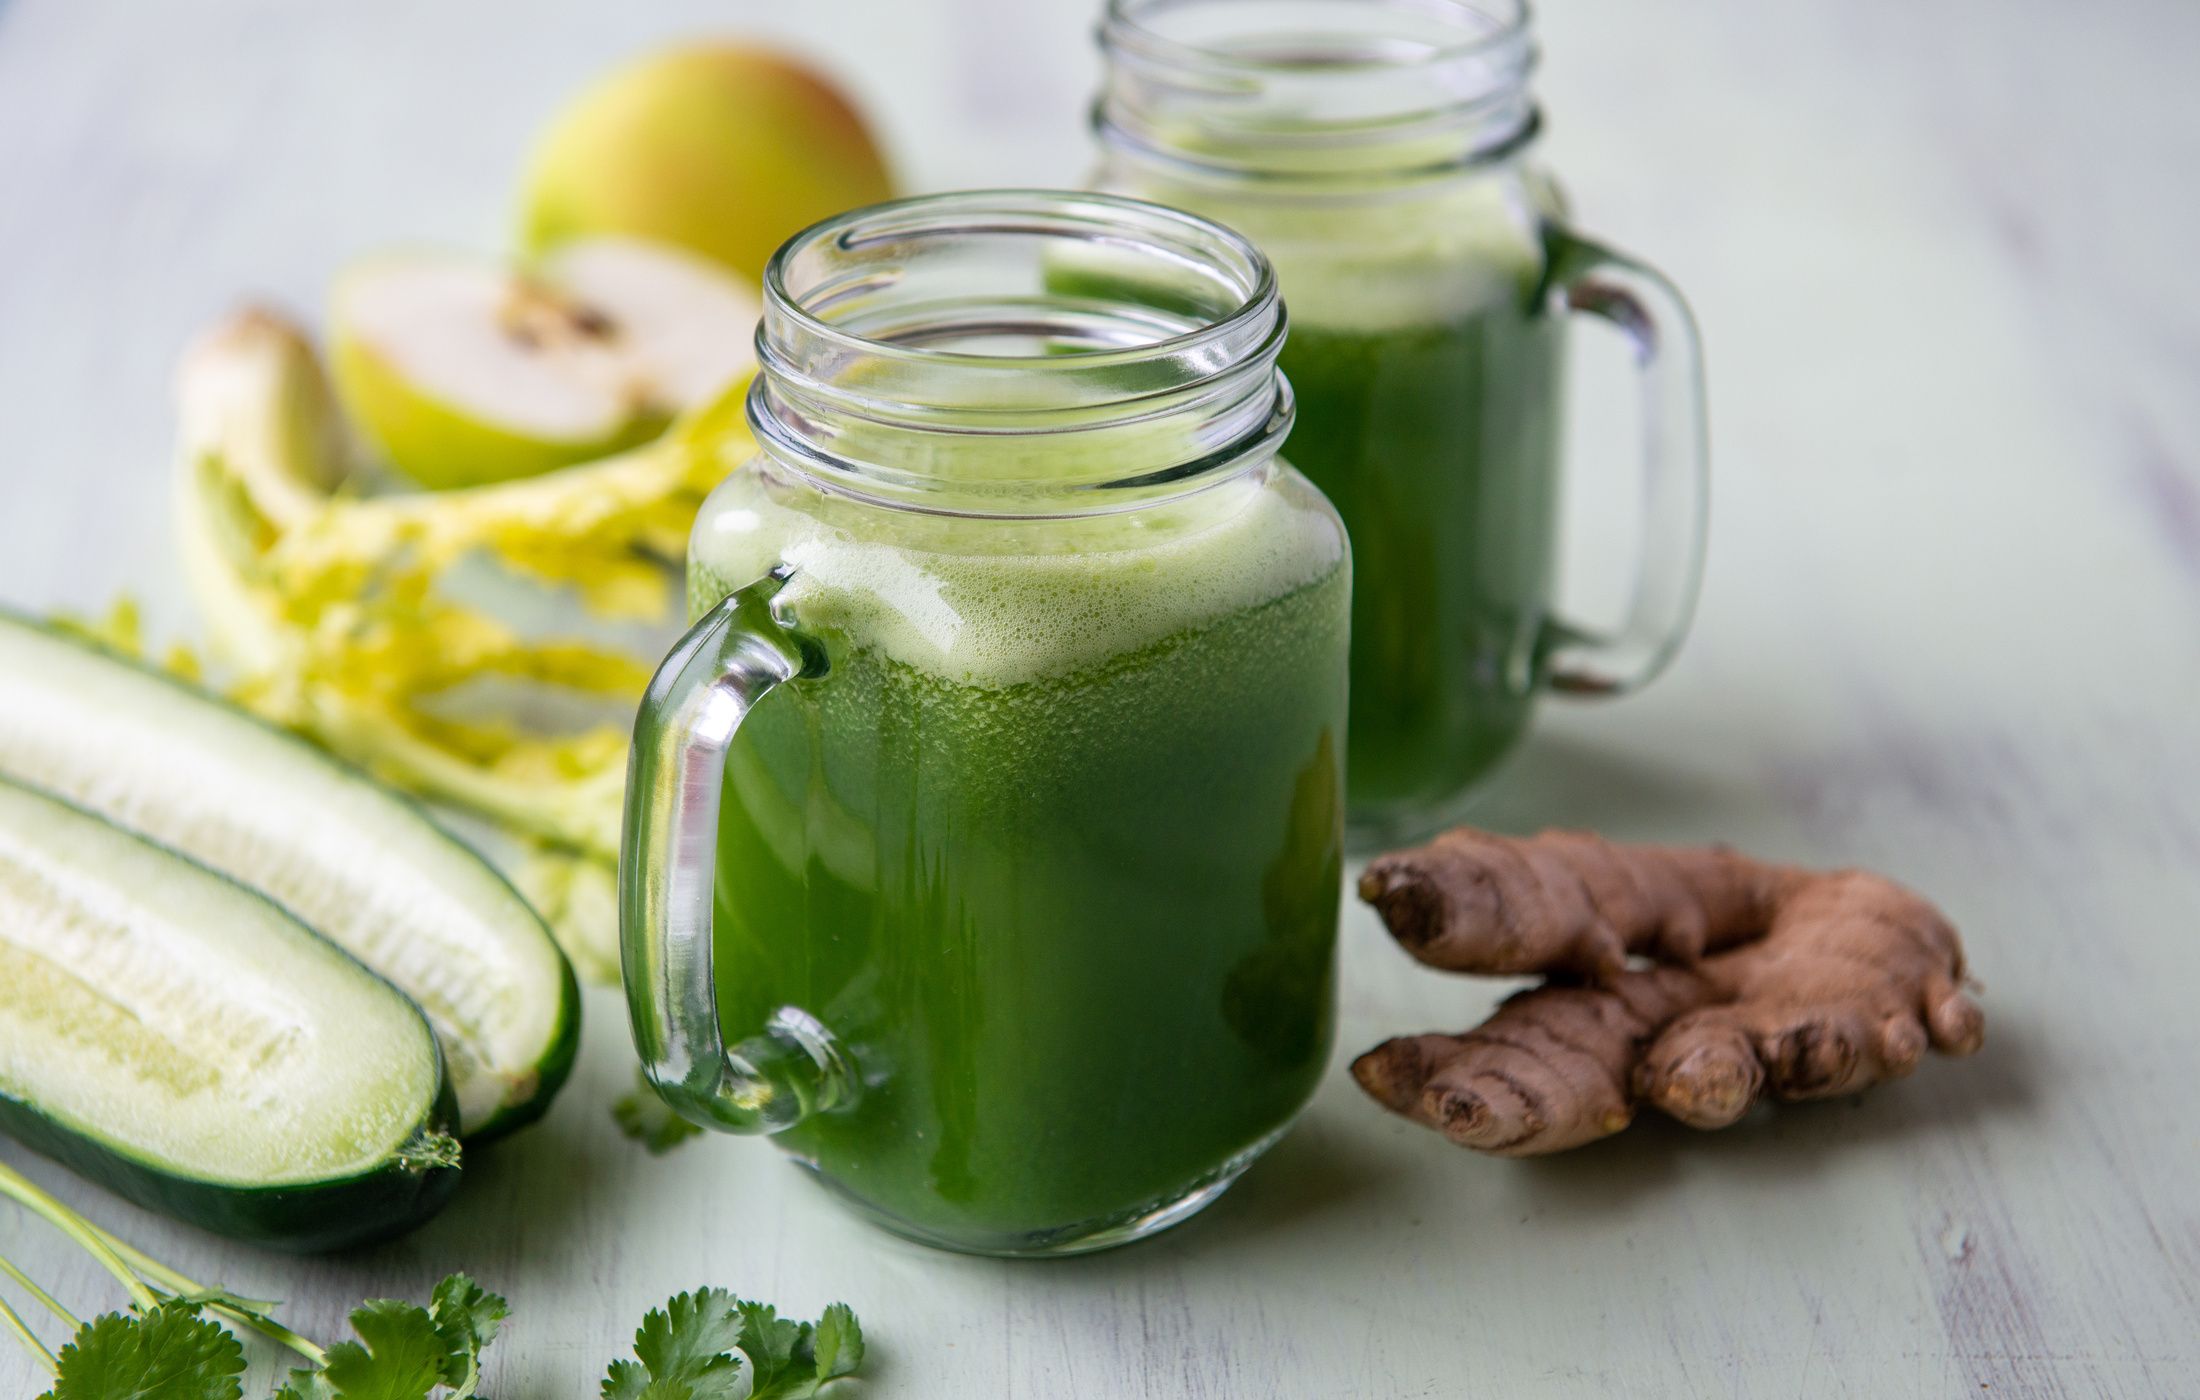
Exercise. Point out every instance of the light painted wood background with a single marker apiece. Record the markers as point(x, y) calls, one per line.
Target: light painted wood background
point(1943, 255)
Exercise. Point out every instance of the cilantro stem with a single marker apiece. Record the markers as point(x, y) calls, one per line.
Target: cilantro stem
point(132, 1268)
point(30, 1286)
point(15, 1324)
point(87, 1235)
point(174, 1282)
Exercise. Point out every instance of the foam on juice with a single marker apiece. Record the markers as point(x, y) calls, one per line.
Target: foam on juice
point(993, 603)
point(1423, 257)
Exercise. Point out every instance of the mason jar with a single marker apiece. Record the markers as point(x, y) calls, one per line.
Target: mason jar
point(984, 834)
point(1383, 154)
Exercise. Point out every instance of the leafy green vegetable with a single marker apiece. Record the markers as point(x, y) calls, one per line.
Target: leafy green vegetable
point(167, 1353)
point(398, 1357)
point(686, 1351)
point(467, 1318)
point(358, 620)
point(222, 1298)
point(172, 1351)
point(405, 1351)
point(705, 1345)
point(836, 1347)
point(648, 1120)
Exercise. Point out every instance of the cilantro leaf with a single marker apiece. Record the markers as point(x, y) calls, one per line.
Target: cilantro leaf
point(306, 1385)
point(466, 1317)
point(630, 1380)
point(770, 1341)
point(398, 1355)
point(626, 1380)
point(837, 1346)
point(690, 1336)
point(650, 1121)
point(405, 1351)
point(169, 1353)
point(710, 1345)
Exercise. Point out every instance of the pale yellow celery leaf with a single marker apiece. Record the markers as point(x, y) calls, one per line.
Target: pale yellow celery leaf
point(365, 695)
point(578, 666)
point(592, 526)
point(577, 535)
point(630, 588)
point(352, 679)
point(581, 811)
point(183, 662)
point(121, 628)
point(438, 647)
point(331, 604)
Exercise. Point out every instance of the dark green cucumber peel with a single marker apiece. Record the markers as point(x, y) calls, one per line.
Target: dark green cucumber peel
point(551, 1070)
point(404, 1185)
point(36, 758)
point(301, 1219)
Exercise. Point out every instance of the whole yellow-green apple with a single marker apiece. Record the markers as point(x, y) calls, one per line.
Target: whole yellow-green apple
point(723, 149)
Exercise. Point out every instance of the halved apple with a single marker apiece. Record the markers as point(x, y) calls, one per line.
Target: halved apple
point(460, 370)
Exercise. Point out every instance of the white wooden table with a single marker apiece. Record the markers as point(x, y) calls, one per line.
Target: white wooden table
point(1943, 254)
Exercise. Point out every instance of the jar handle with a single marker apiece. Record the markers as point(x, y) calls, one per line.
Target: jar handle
point(668, 860)
point(1612, 287)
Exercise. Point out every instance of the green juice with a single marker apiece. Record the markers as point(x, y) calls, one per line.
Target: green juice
point(1438, 444)
point(1051, 848)
point(1428, 376)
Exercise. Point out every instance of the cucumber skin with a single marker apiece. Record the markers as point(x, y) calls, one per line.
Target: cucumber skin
point(302, 1218)
point(307, 1218)
point(556, 1064)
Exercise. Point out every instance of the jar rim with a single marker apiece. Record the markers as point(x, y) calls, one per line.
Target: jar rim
point(982, 211)
point(1147, 371)
point(1126, 25)
point(1298, 97)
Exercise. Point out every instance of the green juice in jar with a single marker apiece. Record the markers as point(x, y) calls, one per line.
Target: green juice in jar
point(1429, 392)
point(1428, 380)
point(1052, 844)
point(1384, 155)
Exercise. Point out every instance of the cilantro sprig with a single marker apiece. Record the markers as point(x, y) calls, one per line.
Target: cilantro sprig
point(711, 1345)
point(171, 1343)
point(170, 1350)
point(175, 1351)
point(404, 1351)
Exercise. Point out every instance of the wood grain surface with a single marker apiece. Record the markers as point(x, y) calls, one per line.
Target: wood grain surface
point(1943, 256)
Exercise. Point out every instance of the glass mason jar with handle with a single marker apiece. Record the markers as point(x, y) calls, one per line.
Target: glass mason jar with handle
point(1382, 153)
point(984, 835)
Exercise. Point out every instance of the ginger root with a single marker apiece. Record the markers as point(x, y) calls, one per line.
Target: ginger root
point(1759, 977)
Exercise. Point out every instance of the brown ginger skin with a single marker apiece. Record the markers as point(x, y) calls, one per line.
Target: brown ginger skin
point(1770, 978)
point(1568, 901)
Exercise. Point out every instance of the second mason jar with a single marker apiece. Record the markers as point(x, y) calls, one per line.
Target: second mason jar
point(984, 835)
point(1382, 153)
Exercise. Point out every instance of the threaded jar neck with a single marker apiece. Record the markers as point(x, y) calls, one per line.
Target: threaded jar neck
point(1019, 352)
point(1335, 91)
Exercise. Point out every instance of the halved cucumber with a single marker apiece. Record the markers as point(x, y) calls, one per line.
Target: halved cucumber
point(187, 1043)
point(351, 858)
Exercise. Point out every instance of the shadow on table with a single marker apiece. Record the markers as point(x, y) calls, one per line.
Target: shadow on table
point(510, 1221)
point(1626, 792)
point(1315, 1177)
point(1338, 1183)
